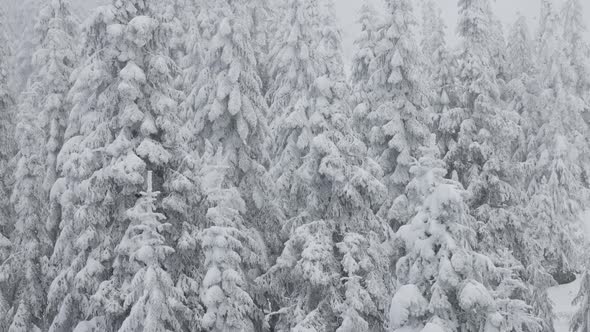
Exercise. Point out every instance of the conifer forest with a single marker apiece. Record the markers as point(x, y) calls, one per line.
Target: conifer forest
point(225, 166)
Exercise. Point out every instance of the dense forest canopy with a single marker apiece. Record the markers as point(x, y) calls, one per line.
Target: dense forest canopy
point(194, 165)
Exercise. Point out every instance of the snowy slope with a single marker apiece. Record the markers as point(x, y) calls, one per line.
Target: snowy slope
point(562, 297)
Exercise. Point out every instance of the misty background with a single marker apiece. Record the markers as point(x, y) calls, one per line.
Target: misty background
point(347, 11)
point(505, 10)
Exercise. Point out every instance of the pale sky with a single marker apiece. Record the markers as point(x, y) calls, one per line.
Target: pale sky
point(504, 9)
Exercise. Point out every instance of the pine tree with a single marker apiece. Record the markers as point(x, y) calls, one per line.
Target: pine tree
point(399, 120)
point(329, 266)
point(482, 157)
point(124, 121)
point(361, 72)
point(522, 89)
point(442, 75)
point(291, 97)
point(55, 57)
point(226, 107)
point(29, 240)
point(150, 296)
point(520, 49)
point(6, 155)
point(444, 282)
point(433, 34)
point(557, 185)
point(230, 250)
point(577, 49)
point(42, 115)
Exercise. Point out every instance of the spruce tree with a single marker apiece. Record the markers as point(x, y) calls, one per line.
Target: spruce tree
point(362, 96)
point(432, 34)
point(226, 107)
point(557, 185)
point(7, 146)
point(124, 122)
point(486, 139)
point(291, 97)
point(42, 116)
point(577, 49)
point(519, 49)
point(231, 250)
point(522, 89)
point(399, 118)
point(329, 266)
point(444, 98)
point(54, 60)
point(444, 283)
point(29, 240)
point(150, 295)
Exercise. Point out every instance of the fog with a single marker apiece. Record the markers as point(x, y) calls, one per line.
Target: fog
point(506, 10)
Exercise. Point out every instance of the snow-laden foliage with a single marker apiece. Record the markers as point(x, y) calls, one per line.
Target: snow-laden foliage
point(124, 121)
point(433, 38)
point(330, 262)
point(41, 122)
point(442, 76)
point(557, 185)
point(361, 71)
point(7, 150)
point(397, 119)
point(294, 70)
point(519, 49)
point(226, 106)
point(53, 62)
point(447, 282)
point(481, 154)
point(150, 295)
point(192, 165)
point(576, 47)
point(232, 252)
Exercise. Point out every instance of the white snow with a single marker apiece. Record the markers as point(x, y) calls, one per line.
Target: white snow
point(408, 302)
point(562, 297)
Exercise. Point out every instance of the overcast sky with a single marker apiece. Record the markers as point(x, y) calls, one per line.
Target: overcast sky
point(504, 9)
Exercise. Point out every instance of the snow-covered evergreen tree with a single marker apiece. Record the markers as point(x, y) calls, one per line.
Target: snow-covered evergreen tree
point(329, 267)
point(444, 282)
point(124, 121)
point(29, 240)
point(442, 77)
point(150, 296)
point(231, 251)
point(399, 118)
point(226, 107)
point(362, 95)
point(519, 49)
point(432, 34)
point(521, 89)
point(482, 155)
point(577, 48)
point(53, 62)
point(7, 146)
point(557, 183)
point(42, 116)
point(293, 68)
